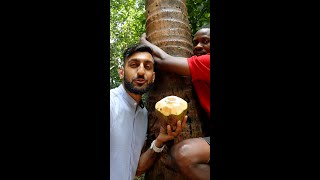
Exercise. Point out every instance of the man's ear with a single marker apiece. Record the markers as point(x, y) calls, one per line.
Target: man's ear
point(121, 73)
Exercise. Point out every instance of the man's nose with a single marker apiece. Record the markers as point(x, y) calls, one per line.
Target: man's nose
point(141, 69)
point(198, 46)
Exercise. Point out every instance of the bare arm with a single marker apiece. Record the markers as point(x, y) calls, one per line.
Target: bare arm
point(146, 160)
point(148, 157)
point(167, 62)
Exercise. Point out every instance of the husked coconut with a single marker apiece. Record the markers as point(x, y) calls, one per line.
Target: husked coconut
point(171, 110)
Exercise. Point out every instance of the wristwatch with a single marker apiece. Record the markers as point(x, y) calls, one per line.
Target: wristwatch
point(155, 148)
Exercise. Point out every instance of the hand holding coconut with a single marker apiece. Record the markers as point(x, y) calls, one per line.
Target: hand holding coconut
point(171, 109)
point(167, 134)
point(147, 158)
point(172, 115)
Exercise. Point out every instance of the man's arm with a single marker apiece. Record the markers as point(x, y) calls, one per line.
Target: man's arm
point(148, 157)
point(146, 160)
point(165, 61)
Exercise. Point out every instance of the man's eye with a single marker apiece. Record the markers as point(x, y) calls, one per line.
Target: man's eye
point(148, 67)
point(206, 41)
point(133, 65)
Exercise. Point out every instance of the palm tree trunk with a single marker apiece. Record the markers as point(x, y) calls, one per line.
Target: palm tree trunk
point(167, 26)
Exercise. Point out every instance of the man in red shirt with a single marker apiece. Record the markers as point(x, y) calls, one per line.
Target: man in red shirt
point(191, 156)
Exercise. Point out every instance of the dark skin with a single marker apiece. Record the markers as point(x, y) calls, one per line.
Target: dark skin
point(148, 157)
point(201, 42)
point(141, 64)
point(179, 65)
point(187, 157)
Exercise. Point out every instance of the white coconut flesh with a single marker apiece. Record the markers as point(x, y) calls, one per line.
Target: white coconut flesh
point(171, 105)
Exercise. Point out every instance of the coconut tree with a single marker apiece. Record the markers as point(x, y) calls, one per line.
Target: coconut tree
point(167, 26)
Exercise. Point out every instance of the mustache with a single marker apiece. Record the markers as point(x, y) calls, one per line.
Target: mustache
point(140, 77)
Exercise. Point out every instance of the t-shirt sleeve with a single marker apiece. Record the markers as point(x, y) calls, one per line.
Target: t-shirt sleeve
point(199, 67)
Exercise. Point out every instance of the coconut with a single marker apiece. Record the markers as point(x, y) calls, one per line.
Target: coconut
point(171, 109)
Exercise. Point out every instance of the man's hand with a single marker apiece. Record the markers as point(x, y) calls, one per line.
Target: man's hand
point(157, 53)
point(143, 37)
point(143, 40)
point(169, 135)
point(148, 157)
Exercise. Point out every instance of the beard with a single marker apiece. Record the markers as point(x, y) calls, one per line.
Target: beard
point(134, 89)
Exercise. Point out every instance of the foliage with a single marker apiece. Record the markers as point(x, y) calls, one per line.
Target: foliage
point(198, 14)
point(127, 23)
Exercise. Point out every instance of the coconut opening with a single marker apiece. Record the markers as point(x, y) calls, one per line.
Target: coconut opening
point(171, 100)
point(171, 105)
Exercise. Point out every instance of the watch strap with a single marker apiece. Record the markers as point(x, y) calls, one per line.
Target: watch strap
point(155, 148)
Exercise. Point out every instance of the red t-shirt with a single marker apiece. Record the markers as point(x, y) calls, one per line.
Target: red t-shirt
point(200, 73)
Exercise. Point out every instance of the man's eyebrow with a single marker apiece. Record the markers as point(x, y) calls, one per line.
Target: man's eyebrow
point(146, 60)
point(132, 60)
point(205, 37)
point(149, 61)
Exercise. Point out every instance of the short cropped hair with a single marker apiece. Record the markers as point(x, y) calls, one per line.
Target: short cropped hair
point(136, 48)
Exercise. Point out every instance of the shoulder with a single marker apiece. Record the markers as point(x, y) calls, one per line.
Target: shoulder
point(116, 92)
point(200, 59)
point(114, 96)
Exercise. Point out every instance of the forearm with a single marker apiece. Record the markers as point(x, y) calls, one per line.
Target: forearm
point(178, 65)
point(166, 62)
point(157, 52)
point(147, 159)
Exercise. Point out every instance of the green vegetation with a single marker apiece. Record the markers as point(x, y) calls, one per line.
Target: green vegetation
point(127, 23)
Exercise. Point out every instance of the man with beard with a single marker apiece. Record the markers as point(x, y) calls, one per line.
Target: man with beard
point(129, 119)
point(191, 157)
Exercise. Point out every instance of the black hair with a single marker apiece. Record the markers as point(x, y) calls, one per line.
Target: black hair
point(136, 48)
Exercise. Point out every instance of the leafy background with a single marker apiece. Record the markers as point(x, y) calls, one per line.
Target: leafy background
point(127, 23)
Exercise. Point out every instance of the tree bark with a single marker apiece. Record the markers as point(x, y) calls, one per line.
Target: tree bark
point(167, 26)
